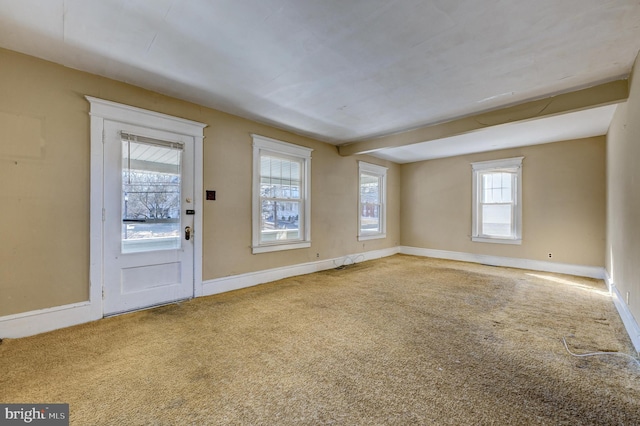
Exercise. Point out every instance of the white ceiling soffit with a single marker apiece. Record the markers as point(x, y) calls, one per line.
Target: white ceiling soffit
point(575, 125)
point(340, 71)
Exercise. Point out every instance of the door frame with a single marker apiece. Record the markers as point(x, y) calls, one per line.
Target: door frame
point(100, 111)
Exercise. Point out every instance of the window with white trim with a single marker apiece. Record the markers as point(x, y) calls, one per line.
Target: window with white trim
point(372, 201)
point(281, 201)
point(497, 201)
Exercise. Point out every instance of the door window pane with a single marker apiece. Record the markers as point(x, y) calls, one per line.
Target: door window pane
point(151, 182)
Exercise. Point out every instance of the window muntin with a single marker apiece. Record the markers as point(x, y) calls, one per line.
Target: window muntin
point(371, 202)
point(281, 212)
point(497, 201)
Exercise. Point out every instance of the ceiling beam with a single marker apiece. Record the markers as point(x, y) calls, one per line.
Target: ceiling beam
point(591, 97)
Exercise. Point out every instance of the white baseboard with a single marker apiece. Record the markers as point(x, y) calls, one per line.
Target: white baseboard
point(40, 321)
point(43, 320)
point(236, 282)
point(510, 262)
point(630, 323)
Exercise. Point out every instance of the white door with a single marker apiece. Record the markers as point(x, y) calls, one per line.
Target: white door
point(148, 228)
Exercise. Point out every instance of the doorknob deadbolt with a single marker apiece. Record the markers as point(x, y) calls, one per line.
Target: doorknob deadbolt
point(187, 233)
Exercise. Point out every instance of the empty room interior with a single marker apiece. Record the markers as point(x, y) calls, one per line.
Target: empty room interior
point(359, 212)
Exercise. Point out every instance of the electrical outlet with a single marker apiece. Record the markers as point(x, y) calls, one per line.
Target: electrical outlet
point(550, 255)
point(317, 255)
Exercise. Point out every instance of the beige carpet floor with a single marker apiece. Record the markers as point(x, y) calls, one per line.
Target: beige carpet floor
point(396, 341)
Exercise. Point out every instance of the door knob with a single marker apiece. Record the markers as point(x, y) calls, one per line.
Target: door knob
point(187, 233)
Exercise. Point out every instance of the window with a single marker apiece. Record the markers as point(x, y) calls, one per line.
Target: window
point(497, 201)
point(371, 204)
point(281, 202)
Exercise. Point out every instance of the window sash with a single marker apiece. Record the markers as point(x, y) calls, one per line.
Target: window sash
point(283, 174)
point(506, 194)
point(280, 224)
point(371, 201)
point(495, 227)
point(370, 205)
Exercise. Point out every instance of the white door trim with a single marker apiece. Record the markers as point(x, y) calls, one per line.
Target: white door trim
point(101, 110)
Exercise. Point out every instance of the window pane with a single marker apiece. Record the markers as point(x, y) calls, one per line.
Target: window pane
point(496, 220)
point(496, 195)
point(280, 191)
point(507, 194)
point(487, 195)
point(497, 187)
point(279, 177)
point(370, 217)
point(486, 188)
point(369, 189)
point(496, 180)
point(151, 183)
point(280, 221)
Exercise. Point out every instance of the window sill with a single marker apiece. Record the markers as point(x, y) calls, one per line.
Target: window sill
point(279, 247)
point(371, 237)
point(515, 241)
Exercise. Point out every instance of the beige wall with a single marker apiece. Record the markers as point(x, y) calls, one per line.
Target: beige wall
point(623, 204)
point(44, 186)
point(563, 203)
point(334, 189)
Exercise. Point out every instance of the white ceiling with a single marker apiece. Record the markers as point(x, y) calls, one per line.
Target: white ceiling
point(339, 70)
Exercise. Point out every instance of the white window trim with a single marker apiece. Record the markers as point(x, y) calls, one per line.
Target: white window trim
point(382, 173)
point(264, 144)
point(510, 165)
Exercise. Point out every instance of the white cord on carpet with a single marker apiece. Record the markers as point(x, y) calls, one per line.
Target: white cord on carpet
point(598, 353)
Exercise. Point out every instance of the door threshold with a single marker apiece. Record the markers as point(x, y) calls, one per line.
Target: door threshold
point(146, 308)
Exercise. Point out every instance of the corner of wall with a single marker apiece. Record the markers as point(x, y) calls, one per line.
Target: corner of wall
point(630, 323)
point(623, 208)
